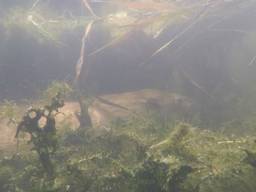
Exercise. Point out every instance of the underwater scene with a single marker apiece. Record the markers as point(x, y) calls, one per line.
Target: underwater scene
point(127, 95)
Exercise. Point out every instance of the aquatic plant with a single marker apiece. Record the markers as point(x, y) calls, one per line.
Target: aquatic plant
point(42, 134)
point(185, 160)
point(54, 88)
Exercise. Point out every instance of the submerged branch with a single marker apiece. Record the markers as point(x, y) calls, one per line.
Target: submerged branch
point(80, 61)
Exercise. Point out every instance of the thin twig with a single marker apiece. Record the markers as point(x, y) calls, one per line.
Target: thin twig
point(176, 37)
point(35, 4)
point(252, 61)
point(195, 84)
point(87, 5)
point(109, 44)
point(230, 30)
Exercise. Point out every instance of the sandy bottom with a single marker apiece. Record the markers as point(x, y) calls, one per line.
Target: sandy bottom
point(102, 113)
point(7, 136)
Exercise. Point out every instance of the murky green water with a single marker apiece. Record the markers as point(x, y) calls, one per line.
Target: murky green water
point(121, 95)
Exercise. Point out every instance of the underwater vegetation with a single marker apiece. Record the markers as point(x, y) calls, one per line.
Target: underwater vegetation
point(193, 131)
point(135, 155)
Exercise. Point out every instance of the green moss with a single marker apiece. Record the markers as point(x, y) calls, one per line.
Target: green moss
point(132, 158)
